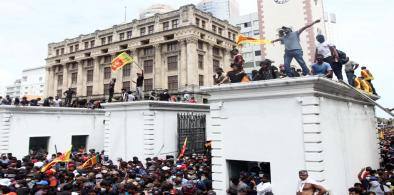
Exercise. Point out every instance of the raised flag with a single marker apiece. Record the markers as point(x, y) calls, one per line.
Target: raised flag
point(183, 150)
point(241, 39)
point(121, 60)
point(90, 162)
point(65, 157)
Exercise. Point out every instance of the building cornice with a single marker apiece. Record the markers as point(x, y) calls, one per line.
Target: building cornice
point(156, 105)
point(50, 110)
point(296, 87)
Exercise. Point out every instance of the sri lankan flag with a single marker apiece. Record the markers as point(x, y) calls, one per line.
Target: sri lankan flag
point(65, 157)
point(241, 39)
point(120, 61)
point(89, 163)
point(183, 150)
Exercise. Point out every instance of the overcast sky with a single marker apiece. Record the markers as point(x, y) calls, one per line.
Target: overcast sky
point(27, 26)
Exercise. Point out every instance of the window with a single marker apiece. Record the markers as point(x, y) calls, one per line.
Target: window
point(148, 66)
point(59, 93)
point(148, 84)
point(40, 79)
point(148, 51)
point(106, 89)
point(172, 82)
point(86, 44)
point(216, 51)
point(256, 32)
point(175, 23)
point(89, 62)
point(126, 85)
point(172, 62)
point(247, 24)
point(220, 31)
point(151, 29)
point(126, 70)
point(74, 77)
point(172, 46)
point(71, 48)
point(92, 43)
point(107, 59)
point(74, 66)
point(109, 39)
point(76, 47)
point(201, 61)
point(216, 64)
point(89, 75)
point(121, 36)
point(200, 45)
point(107, 73)
point(229, 35)
point(166, 25)
point(257, 53)
point(89, 90)
point(233, 37)
point(214, 28)
point(203, 24)
point(129, 34)
point(103, 41)
point(201, 80)
point(59, 80)
point(57, 52)
point(142, 31)
point(62, 51)
point(197, 21)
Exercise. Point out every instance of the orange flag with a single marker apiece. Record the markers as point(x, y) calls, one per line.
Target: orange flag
point(65, 157)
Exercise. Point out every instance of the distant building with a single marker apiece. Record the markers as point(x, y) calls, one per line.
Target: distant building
point(274, 14)
point(14, 90)
point(178, 51)
point(155, 9)
point(249, 25)
point(223, 9)
point(33, 82)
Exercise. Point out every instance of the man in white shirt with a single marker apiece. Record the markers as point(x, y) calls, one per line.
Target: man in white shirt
point(264, 186)
point(57, 102)
point(308, 186)
point(330, 55)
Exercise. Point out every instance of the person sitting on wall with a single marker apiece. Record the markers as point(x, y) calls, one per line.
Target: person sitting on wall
point(237, 57)
point(164, 96)
point(219, 76)
point(321, 68)
point(267, 71)
point(236, 75)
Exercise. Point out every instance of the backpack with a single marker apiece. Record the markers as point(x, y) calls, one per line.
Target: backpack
point(342, 57)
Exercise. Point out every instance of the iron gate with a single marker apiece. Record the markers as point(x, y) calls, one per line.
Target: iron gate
point(192, 126)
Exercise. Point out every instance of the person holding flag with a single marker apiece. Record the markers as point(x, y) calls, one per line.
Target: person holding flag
point(65, 157)
point(116, 64)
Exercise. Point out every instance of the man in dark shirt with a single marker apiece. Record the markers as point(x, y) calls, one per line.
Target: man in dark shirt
point(111, 89)
point(69, 95)
point(236, 74)
point(267, 71)
point(164, 96)
point(140, 82)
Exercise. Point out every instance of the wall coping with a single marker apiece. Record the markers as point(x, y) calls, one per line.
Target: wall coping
point(156, 106)
point(304, 86)
point(49, 110)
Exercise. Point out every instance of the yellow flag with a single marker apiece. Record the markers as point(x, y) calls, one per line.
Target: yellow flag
point(241, 39)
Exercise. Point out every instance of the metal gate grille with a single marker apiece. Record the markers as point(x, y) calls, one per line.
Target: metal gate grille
point(192, 126)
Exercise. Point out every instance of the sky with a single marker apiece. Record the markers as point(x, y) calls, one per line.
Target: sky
point(27, 26)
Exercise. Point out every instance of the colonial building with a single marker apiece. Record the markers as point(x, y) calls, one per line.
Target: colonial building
point(178, 51)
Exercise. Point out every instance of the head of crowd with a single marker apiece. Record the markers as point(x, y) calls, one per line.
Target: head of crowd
point(32, 174)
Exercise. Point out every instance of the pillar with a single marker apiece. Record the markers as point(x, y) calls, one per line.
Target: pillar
point(65, 77)
point(81, 84)
point(159, 71)
point(97, 82)
point(192, 62)
point(182, 66)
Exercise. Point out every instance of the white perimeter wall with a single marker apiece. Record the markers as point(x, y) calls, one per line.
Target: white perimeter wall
point(60, 124)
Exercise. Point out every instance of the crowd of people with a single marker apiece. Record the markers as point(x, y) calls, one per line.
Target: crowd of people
point(379, 181)
point(328, 61)
point(189, 175)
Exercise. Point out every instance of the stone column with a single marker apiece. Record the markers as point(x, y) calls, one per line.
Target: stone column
point(158, 69)
point(192, 62)
point(97, 77)
point(208, 65)
point(54, 86)
point(65, 77)
point(182, 66)
point(81, 84)
point(135, 69)
point(49, 82)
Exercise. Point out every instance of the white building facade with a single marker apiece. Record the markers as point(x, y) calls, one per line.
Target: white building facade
point(249, 25)
point(33, 82)
point(223, 9)
point(14, 90)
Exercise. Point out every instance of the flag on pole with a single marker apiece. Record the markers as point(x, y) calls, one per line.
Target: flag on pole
point(183, 150)
point(241, 39)
point(89, 163)
point(121, 60)
point(381, 135)
point(65, 157)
